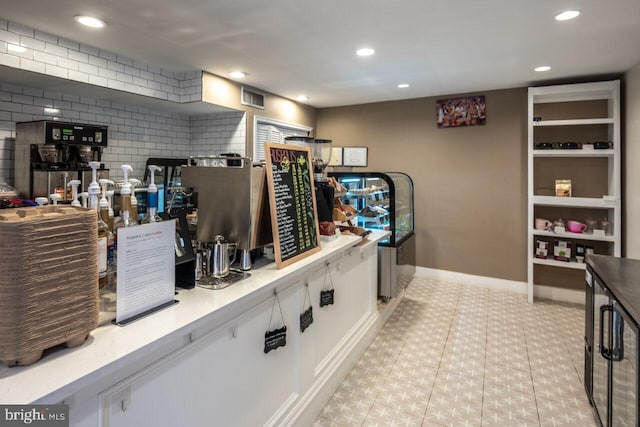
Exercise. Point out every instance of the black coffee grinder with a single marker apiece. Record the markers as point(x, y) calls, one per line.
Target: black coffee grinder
point(320, 156)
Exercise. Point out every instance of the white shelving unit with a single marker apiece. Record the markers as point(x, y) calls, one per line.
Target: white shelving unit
point(570, 111)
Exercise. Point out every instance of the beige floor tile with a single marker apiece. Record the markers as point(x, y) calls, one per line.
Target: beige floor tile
point(458, 355)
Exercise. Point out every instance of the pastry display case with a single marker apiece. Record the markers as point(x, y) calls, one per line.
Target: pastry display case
point(381, 201)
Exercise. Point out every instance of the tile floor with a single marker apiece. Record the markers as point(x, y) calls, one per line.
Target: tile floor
point(455, 355)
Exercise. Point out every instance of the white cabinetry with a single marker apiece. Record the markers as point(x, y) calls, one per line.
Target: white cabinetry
point(224, 378)
point(582, 114)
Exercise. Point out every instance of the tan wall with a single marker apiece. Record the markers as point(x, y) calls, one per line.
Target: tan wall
point(470, 183)
point(220, 91)
point(631, 160)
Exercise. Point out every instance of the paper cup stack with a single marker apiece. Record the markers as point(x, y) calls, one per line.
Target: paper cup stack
point(48, 280)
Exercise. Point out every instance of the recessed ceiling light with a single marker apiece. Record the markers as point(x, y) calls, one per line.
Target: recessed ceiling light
point(302, 98)
point(237, 74)
point(365, 51)
point(16, 48)
point(566, 15)
point(90, 21)
point(542, 68)
point(50, 110)
point(403, 85)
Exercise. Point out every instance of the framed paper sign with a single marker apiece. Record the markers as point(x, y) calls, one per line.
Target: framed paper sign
point(456, 112)
point(354, 156)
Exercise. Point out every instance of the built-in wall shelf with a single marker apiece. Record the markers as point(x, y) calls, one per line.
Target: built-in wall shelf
point(584, 112)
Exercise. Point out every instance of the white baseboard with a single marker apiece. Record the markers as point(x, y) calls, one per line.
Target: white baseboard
point(471, 279)
point(559, 294)
point(539, 291)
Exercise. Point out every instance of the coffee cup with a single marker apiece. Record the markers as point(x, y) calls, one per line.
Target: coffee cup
point(543, 224)
point(576, 227)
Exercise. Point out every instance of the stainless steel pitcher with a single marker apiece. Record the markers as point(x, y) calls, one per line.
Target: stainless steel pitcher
point(220, 262)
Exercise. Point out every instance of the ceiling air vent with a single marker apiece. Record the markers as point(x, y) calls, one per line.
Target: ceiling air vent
point(252, 98)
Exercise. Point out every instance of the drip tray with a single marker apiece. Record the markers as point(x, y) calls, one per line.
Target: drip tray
point(222, 282)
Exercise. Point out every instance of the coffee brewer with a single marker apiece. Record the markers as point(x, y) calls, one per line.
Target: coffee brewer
point(50, 153)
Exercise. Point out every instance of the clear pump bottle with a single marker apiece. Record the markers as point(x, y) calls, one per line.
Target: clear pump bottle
point(152, 199)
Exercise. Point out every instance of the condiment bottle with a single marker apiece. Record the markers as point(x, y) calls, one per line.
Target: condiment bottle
point(103, 228)
point(152, 198)
point(125, 219)
point(134, 200)
point(74, 191)
point(54, 198)
point(41, 201)
point(109, 194)
point(83, 198)
point(104, 214)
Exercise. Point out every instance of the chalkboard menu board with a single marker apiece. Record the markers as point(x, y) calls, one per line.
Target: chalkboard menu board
point(292, 201)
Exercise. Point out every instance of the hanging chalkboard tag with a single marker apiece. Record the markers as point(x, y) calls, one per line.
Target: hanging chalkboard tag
point(306, 318)
point(326, 297)
point(274, 339)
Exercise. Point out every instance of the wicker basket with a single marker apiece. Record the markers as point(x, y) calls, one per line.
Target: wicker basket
point(48, 280)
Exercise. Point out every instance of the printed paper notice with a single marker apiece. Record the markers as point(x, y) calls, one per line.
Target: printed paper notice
point(145, 268)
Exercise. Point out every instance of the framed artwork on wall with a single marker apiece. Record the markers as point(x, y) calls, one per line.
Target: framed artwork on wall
point(457, 112)
point(354, 156)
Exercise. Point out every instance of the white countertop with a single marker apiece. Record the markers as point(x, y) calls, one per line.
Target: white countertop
point(111, 349)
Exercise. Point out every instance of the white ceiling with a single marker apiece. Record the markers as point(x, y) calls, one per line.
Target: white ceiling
point(290, 47)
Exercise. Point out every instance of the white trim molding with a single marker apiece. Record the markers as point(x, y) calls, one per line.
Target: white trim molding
point(519, 287)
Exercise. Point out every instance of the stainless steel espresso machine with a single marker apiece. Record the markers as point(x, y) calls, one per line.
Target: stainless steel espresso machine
point(50, 153)
point(233, 211)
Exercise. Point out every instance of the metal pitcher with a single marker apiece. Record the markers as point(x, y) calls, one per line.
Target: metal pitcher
point(220, 261)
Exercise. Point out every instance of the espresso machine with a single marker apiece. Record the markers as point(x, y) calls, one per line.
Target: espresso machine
point(320, 157)
point(233, 212)
point(50, 153)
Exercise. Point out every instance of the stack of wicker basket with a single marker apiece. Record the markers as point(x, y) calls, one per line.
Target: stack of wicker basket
point(48, 280)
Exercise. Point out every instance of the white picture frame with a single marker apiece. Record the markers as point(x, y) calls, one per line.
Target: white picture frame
point(336, 156)
point(354, 156)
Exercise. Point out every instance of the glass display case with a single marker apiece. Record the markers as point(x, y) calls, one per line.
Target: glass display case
point(383, 201)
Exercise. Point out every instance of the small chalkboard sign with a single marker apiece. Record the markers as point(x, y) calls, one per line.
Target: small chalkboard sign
point(306, 319)
point(275, 338)
point(294, 218)
point(326, 297)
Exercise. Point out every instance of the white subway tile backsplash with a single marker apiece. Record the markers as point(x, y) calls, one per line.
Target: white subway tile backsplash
point(108, 55)
point(4, 24)
point(123, 77)
point(78, 56)
point(59, 51)
point(98, 62)
point(29, 65)
point(115, 66)
point(46, 37)
point(56, 71)
point(47, 58)
point(9, 60)
point(69, 64)
point(109, 74)
point(125, 61)
point(72, 45)
point(79, 76)
point(88, 68)
point(21, 29)
point(97, 80)
point(9, 37)
point(32, 43)
point(89, 50)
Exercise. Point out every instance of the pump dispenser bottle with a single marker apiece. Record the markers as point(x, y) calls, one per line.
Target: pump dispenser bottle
point(152, 198)
point(134, 200)
point(125, 219)
point(74, 183)
point(103, 228)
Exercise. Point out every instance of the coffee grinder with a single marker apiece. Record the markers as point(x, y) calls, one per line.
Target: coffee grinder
point(320, 156)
